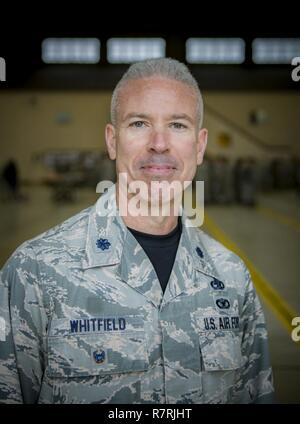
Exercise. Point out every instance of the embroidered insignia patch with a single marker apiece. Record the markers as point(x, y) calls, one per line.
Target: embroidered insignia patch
point(223, 303)
point(217, 284)
point(99, 356)
point(103, 244)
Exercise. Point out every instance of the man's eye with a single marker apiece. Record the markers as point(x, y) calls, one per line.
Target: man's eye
point(137, 124)
point(178, 125)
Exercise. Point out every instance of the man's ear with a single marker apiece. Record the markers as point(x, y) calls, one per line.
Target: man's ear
point(110, 139)
point(201, 144)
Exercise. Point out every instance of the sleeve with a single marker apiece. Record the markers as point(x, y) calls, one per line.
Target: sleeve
point(255, 381)
point(23, 322)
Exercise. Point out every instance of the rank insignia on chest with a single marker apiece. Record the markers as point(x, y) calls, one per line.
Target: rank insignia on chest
point(103, 244)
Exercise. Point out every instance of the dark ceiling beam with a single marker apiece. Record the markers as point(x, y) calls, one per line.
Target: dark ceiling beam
point(105, 77)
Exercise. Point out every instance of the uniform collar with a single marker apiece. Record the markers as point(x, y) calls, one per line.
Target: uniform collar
point(106, 232)
point(109, 242)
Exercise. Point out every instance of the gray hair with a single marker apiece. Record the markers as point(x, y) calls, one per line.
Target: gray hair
point(163, 67)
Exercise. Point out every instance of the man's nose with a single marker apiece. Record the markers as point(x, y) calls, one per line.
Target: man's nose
point(158, 141)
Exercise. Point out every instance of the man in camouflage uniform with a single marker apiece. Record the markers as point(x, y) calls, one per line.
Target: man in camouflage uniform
point(83, 316)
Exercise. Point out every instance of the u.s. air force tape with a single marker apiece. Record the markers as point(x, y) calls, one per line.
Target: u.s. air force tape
point(219, 322)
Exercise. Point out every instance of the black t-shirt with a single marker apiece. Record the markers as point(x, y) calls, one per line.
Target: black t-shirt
point(161, 250)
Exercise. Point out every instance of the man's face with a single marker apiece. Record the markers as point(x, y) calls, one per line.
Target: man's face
point(157, 137)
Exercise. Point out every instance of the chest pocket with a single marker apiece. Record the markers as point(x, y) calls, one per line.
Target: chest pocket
point(98, 352)
point(220, 350)
point(221, 361)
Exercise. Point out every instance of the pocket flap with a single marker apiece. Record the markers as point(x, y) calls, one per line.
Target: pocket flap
point(220, 350)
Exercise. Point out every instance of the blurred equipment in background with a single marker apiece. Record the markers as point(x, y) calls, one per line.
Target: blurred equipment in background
point(70, 169)
point(227, 181)
point(265, 179)
point(245, 178)
point(297, 174)
point(221, 180)
point(65, 176)
point(283, 173)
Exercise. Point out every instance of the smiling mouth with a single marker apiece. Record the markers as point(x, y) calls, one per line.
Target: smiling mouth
point(158, 167)
point(158, 170)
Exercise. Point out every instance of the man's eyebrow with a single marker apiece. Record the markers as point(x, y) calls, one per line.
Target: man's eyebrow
point(135, 115)
point(182, 116)
point(145, 116)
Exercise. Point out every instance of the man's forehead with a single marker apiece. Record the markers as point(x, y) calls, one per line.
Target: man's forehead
point(155, 83)
point(157, 95)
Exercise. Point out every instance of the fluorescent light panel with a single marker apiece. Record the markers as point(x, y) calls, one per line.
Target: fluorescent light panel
point(71, 50)
point(128, 50)
point(275, 50)
point(215, 50)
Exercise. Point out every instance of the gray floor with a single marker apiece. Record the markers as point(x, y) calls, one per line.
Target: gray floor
point(269, 236)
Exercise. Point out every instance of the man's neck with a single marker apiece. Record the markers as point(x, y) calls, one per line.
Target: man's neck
point(156, 225)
